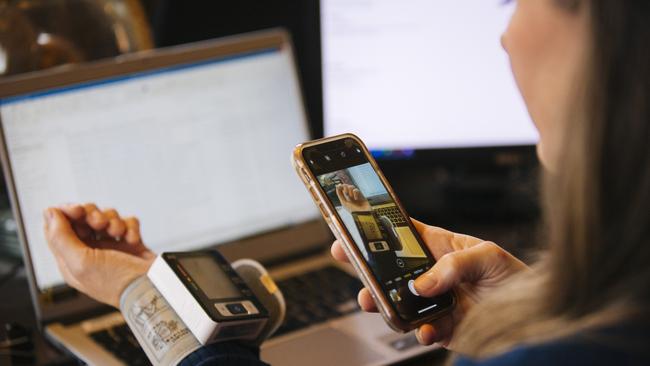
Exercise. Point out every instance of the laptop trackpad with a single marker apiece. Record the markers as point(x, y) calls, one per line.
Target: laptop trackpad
point(326, 346)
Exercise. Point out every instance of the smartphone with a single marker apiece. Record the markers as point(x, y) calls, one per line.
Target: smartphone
point(378, 236)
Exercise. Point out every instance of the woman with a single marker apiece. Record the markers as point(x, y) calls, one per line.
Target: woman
point(583, 68)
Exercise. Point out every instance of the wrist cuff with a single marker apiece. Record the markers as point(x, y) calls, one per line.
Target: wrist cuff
point(161, 333)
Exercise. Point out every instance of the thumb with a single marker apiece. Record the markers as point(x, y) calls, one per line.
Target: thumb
point(467, 265)
point(62, 239)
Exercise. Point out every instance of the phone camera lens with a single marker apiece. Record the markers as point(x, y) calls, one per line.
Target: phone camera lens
point(343, 154)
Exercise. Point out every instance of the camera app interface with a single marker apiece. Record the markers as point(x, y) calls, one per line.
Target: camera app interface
point(379, 229)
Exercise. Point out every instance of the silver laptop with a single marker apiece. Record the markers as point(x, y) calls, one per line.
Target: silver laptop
point(195, 141)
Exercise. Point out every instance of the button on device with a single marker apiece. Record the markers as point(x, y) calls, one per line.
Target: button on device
point(305, 174)
point(236, 308)
point(411, 286)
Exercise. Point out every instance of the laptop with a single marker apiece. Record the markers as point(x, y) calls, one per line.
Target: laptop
point(195, 141)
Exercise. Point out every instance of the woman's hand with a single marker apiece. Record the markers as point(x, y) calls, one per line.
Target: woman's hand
point(98, 252)
point(468, 265)
point(351, 198)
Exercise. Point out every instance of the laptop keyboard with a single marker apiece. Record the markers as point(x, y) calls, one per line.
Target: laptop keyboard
point(122, 344)
point(393, 214)
point(313, 297)
point(317, 296)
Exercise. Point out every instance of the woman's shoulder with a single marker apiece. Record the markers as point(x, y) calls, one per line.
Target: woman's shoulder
point(614, 346)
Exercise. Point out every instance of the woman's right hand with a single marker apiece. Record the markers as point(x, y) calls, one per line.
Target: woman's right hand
point(97, 251)
point(470, 266)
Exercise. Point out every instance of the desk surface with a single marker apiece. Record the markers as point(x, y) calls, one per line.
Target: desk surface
point(16, 308)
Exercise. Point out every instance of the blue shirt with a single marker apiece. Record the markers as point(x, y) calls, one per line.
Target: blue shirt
point(564, 353)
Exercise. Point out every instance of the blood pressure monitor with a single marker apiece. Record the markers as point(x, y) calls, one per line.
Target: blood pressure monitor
point(213, 301)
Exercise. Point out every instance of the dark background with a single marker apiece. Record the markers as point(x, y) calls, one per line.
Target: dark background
point(176, 22)
point(450, 188)
point(458, 188)
point(490, 193)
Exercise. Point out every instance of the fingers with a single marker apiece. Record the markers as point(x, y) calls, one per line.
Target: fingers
point(420, 227)
point(73, 211)
point(439, 331)
point(366, 302)
point(116, 226)
point(91, 223)
point(94, 218)
point(364, 298)
point(62, 239)
point(466, 265)
point(353, 193)
point(76, 214)
point(340, 194)
point(348, 192)
point(132, 231)
point(438, 240)
point(84, 232)
point(441, 242)
point(338, 252)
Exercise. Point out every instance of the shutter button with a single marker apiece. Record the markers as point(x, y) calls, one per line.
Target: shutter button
point(411, 286)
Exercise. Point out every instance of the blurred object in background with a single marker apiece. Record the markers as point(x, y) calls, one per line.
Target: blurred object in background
point(38, 34)
point(16, 345)
point(177, 22)
point(9, 245)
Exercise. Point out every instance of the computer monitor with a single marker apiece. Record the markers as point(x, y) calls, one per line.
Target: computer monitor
point(195, 142)
point(420, 75)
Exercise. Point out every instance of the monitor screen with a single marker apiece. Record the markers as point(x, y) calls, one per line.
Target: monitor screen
point(420, 74)
point(200, 152)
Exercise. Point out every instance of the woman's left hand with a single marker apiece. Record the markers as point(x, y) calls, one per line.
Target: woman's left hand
point(98, 252)
point(471, 266)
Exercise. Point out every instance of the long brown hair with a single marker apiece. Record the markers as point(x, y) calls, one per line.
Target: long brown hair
point(595, 271)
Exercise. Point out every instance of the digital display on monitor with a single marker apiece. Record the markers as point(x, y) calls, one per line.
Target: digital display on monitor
point(421, 74)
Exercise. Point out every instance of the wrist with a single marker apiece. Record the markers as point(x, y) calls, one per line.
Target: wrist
point(127, 279)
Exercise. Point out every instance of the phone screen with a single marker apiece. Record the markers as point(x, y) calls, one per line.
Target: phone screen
point(385, 237)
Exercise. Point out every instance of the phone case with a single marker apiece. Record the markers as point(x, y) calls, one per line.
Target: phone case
point(340, 232)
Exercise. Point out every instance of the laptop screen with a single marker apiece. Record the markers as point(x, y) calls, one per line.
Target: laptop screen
point(198, 152)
